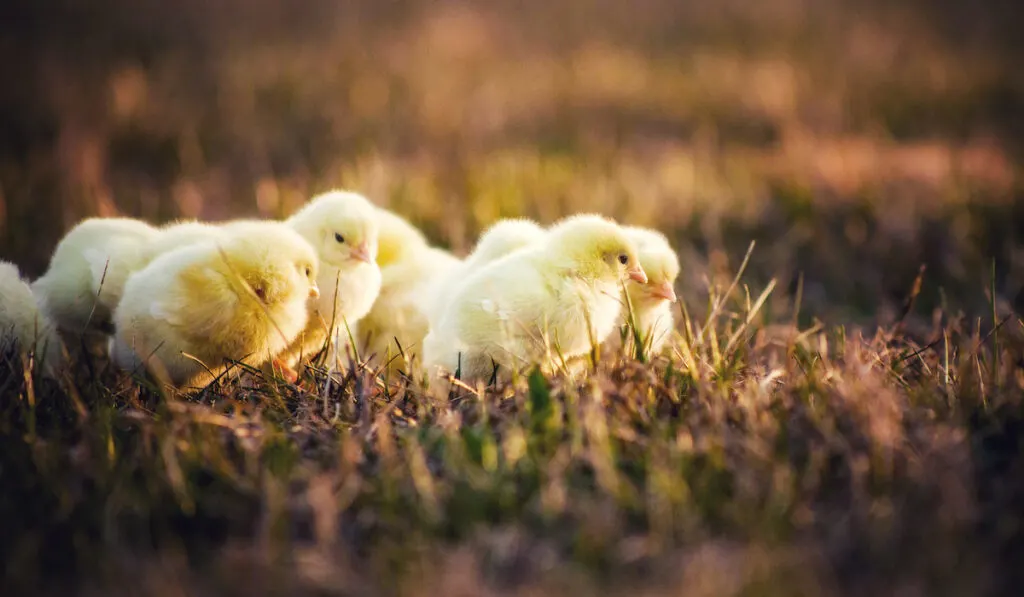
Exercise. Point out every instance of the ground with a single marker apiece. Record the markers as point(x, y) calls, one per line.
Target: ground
point(839, 413)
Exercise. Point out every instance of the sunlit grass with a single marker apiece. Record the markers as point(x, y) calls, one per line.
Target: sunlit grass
point(748, 435)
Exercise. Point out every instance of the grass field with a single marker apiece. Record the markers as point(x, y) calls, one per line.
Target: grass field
point(843, 407)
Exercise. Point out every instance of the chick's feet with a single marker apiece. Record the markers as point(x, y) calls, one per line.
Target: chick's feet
point(286, 371)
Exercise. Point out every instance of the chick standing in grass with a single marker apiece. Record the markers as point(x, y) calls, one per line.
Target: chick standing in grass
point(547, 302)
point(651, 303)
point(242, 298)
point(409, 266)
point(342, 228)
point(87, 274)
point(497, 241)
point(22, 325)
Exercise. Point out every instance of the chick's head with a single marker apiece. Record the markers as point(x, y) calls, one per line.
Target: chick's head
point(660, 263)
point(270, 262)
point(595, 248)
point(341, 226)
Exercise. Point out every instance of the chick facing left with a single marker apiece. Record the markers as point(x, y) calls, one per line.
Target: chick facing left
point(342, 228)
point(192, 309)
point(23, 327)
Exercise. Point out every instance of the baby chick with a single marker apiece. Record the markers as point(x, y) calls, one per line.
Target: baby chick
point(88, 271)
point(652, 302)
point(23, 326)
point(497, 241)
point(546, 302)
point(342, 228)
point(242, 297)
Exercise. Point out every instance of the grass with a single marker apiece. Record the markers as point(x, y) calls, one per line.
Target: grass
point(757, 459)
point(840, 410)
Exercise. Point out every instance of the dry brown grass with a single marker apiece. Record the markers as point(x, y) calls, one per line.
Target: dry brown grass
point(757, 459)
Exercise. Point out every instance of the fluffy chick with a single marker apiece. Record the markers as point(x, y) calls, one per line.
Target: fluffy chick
point(549, 301)
point(23, 326)
point(399, 312)
point(88, 271)
point(499, 240)
point(242, 297)
point(652, 302)
point(342, 228)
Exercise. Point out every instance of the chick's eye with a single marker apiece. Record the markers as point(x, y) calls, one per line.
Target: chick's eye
point(338, 237)
point(307, 272)
point(623, 259)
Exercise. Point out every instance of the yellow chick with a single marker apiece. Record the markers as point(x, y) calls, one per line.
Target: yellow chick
point(88, 271)
point(243, 297)
point(499, 240)
point(652, 302)
point(543, 303)
point(22, 326)
point(342, 228)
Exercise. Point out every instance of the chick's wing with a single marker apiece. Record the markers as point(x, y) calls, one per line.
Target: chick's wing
point(203, 302)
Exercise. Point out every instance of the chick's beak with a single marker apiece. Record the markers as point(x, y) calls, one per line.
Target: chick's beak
point(664, 291)
point(362, 253)
point(636, 273)
point(314, 291)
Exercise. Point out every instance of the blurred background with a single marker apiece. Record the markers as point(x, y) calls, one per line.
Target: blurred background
point(855, 141)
